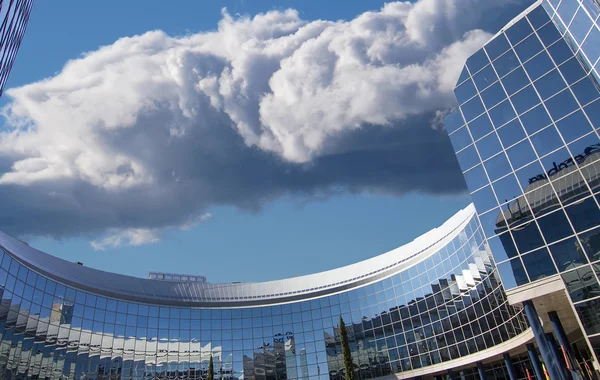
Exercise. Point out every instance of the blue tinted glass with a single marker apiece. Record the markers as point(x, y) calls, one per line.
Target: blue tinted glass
point(512, 274)
point(525, 99)
point(460, 139)
point(472, 108)
point(453, 121)
point(506, 63)
point(511, 133)
point(484, 199)
point(585, 90)
point(548, 34)
point(550, 84)
point(566, 10)
point(592, 7)
point(499, 247)
point(538, 17)
point(519, 31)
point(555, 226)
point(548, 8)
point(515, 81)
point(560, 51)
point(493, 95)
point(572, 70)
point(591, 46)
point(525, 174)
point(574, 126)
point(497, 166)
point(488, 146)
point(528, 48)
point(539, 264)
point(497, 46)
point(561, 104)
point(593, 112)
point(559, 24)
point(506, 188)
point(477, 61)
point(528, 238)
point(582, 146)
point(521, 154)
point(502, 113)
point(568, 254)
point(539, 65)
point(546, 141)
point(464, 74)
point(580, 26)
point(480, 127)
point(465, 91)
point(485, 77)
point(475, 178)
point(467, 158)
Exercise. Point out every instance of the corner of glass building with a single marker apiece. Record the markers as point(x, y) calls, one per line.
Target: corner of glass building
point(525, 134)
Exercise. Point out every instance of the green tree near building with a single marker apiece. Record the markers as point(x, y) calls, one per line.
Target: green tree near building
point(211, 370)
point(348, 365)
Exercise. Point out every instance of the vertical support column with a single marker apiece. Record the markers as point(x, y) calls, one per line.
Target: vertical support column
point(561, 335)
point(560, 358)
point(509, 366)
point(552, 365)
point(535, 361)
point(481, 371)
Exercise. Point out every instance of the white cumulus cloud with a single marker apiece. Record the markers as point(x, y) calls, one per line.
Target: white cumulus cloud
point(148, 132)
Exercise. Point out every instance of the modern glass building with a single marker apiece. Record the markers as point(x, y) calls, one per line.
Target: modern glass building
point(433, 304)
point(526, 138)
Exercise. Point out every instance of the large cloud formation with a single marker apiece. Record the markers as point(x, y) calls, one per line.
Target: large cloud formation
point(148, 133)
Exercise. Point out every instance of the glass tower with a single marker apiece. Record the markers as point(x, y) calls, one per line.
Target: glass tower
point(525, 135)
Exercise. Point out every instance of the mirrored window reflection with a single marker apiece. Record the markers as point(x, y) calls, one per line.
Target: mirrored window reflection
point(545, 141)
point(538, 17)
point(497, 46)
point(497, 166)
point(525, 99)
point(506, 63)
point(475, 178)
point(581, 283)
point(385, 320)
point(548, 34)
point(538, 264)
point(528, 48)
point(568, 254)
point(511, 133)
point(574, 126)
point(477, 61)
point(480, 127)
point(512, 273)
point(519, 31)
point(467, 158)
point(539, 65)
point(580, 26)
point(550, 84)
point(515, 81)
point(453, 121)
point(591, 244)
point(521, 154)
point(560, 52)
point(591, 46)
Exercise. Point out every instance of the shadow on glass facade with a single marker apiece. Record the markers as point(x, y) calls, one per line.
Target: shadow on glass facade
point(445, 303)
point(526, 137)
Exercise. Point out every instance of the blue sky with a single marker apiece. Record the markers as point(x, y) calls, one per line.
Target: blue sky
point(278, 209)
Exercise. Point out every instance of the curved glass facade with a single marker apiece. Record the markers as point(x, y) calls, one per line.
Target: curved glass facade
point(445, 304)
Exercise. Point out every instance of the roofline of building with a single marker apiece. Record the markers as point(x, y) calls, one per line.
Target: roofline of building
point(238, 294)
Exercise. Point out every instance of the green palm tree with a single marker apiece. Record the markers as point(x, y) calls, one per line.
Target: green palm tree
point(348, 365)
point(211, 370)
